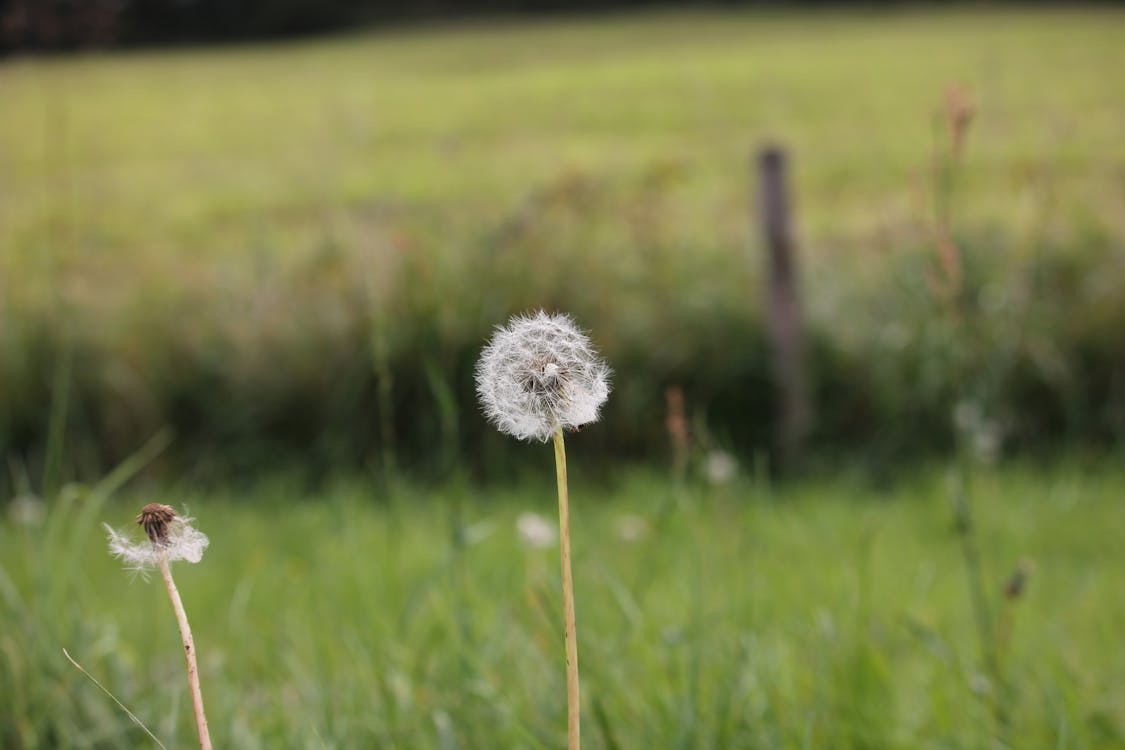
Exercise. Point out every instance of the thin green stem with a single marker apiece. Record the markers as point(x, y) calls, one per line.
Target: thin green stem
point(978, 594)
point(570, 628)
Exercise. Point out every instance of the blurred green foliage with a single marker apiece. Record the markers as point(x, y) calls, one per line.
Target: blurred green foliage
point(293, 253)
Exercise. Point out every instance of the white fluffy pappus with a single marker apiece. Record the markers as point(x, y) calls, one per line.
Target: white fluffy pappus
point(539, 374)
point(185, 542)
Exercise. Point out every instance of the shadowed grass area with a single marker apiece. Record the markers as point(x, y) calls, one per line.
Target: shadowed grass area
point(823, 614)
point(298, 249)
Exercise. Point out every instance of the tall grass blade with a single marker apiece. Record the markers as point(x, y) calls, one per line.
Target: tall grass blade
point(113, 697)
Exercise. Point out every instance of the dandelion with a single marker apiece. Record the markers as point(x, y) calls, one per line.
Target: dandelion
point(632, 528)
point(721, 467)
point(26, 509)
point(536, 378)
point(535, 531)
point(171, 537)
point(541, 375)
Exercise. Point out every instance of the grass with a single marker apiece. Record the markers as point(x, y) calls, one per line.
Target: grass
point(232, 241)
point(166, 157)
point(273, 243)
point(820, 614)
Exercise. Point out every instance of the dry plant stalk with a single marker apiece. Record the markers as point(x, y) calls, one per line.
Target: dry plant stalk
point(171, 537)
point(676, 424)
point(155, 518)
point(189, 655)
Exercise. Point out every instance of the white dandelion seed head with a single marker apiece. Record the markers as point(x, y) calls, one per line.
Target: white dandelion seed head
point(185, 542)
point(632, 528)
point(535, 531)
point(721, 467)
point(538, 374)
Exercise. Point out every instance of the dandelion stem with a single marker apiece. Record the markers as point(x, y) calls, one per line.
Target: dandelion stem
point(570, 628)
point(189, 654)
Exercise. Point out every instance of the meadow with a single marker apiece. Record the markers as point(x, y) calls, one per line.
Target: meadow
point(255, 280)
point(266, 248)
point(739, 615)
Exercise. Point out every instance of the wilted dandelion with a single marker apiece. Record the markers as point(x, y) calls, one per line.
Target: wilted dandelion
point(170, 538)
point(536, 378)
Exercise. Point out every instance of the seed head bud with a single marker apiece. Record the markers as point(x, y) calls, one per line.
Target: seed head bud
point(155, 518)
point(1015, 586)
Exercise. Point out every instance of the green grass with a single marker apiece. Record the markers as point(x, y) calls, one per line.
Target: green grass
point(249, 244)
point(159, 157)
point(276, 244)
point(820, 614)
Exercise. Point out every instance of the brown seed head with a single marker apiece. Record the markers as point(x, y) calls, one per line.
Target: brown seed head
point(155, 518)
point(1015, 586)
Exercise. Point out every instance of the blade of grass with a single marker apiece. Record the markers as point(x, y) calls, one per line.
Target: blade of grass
point(120, 705)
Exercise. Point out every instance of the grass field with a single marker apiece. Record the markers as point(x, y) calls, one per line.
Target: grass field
point(821, 614)
point(168, 157)
point(221, 239)
point(289, 255)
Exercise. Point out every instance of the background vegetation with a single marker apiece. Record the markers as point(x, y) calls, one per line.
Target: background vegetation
point(242, 269)
point(61, 25)
point(298, 251)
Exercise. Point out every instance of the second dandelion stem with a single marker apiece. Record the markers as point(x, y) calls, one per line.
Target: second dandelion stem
point(570, 629)
point(189, 654)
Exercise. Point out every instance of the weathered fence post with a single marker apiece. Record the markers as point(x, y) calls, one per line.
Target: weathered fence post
point(785, 318)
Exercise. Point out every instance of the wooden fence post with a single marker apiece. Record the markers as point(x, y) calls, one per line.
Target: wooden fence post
point(785, 318)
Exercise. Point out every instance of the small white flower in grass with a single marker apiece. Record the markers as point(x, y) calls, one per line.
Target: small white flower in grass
point(632, 528)
point(538, 374)
point(168, 535)
point(535, 531)
point(27, 510)
point(721, 467)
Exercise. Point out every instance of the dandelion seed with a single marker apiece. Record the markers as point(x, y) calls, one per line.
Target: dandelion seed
point(540, 374)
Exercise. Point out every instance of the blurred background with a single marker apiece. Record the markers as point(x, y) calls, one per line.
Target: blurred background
point(292, 252)
point(250, 250)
